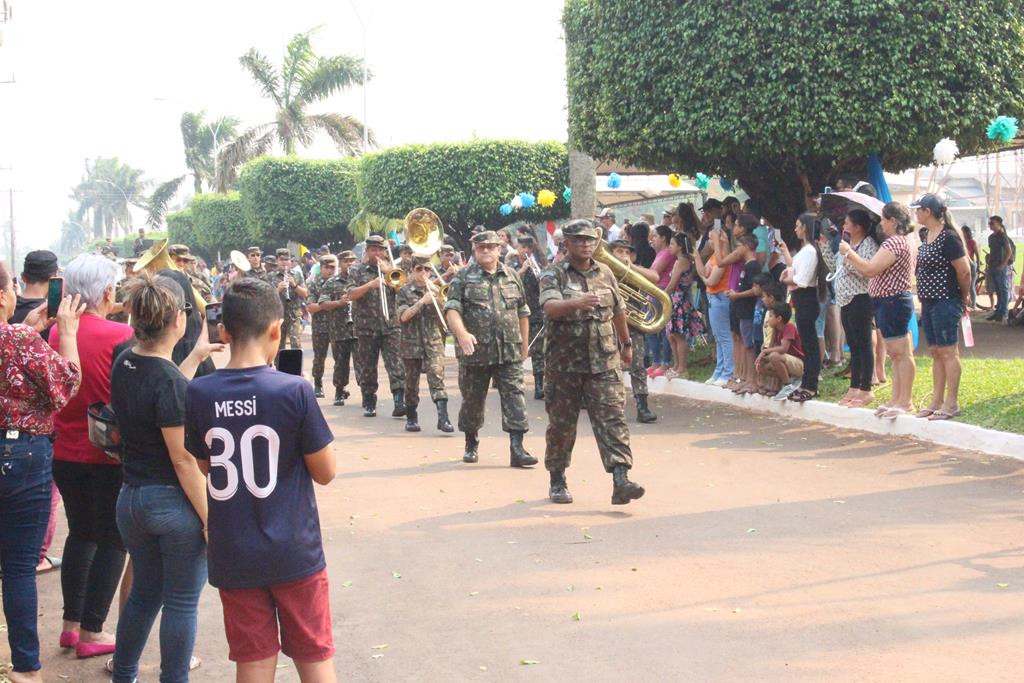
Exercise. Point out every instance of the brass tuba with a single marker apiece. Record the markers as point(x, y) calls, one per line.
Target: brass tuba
point(642, 313)
point(157, 258)
point(424, 232)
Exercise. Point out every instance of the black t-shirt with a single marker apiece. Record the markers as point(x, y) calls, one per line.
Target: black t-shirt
point(147, 393)
point(25, 306)
point(745, 307)
point(936, 277)
point(997, 246)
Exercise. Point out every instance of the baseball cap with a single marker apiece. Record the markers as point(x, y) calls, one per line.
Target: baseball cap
point(283, 252)
point(376, 241)
point(254, 250)
point(930, 201)
point(606, 213)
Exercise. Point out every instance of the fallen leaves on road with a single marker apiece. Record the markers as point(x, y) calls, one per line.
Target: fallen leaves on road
point(346, 584)
point(577, 616)
point(1002, 585)
point(382, 646)
point(396, 575)
point(528, 662)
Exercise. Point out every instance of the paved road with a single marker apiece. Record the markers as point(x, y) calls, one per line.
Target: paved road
point(763, 550)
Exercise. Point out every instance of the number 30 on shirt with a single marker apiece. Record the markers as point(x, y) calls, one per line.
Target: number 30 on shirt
point(248, 470)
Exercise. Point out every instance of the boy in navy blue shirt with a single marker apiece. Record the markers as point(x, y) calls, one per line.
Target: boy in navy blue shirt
point(262, 441)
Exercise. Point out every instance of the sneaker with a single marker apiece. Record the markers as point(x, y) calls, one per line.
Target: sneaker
point(711, 380)
point(720, 382)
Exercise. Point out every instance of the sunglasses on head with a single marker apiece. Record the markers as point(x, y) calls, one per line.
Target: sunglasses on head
point(186, 308)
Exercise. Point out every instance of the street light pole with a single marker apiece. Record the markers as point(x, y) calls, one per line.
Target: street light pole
point(366, 126)
point(123, 194)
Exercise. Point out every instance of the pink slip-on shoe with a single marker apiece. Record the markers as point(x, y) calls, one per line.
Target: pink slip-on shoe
point(84, 650)
point(659, 372)
point(68, 639)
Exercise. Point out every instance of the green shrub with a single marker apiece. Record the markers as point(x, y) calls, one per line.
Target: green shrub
point(181, 229)
point(305, 200)
point(219, 223)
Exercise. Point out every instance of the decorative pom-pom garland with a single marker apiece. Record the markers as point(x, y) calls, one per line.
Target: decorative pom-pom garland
point(702, 181)
point(546, 198)
point(674, 180)
point(1002, 128)
point(505, 209)
point(567, 194)
point(614, 180)
point(945, 151)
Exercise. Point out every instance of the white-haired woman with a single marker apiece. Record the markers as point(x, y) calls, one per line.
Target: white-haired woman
point(88, 479)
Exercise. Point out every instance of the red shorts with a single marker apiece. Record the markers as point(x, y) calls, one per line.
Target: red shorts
point(302, 607)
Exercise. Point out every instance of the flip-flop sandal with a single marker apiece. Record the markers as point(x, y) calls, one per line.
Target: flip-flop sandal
point(858, 402)
point(942, 415)
point(51, 564)
point(925, 412)
point(881, 411)
point(802, 395)
point(893, 413)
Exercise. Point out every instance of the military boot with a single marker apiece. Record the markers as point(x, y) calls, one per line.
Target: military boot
point(411, 425)
point(643, 413)
point(318, 389)
point(559, 491)
point(519, 456)
point(443, 423)
point(399, 410)
point(339, 398)
point(624, 490)
point(472, 444)
point(538, 385)
point(369, 405)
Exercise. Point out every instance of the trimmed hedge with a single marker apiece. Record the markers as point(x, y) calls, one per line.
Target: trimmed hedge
point(779, 94)
point(219, 223)
point(181, 229)
point(465, 183)
point(306, 200)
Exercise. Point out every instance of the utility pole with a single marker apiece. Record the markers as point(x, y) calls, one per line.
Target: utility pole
point(10, 203)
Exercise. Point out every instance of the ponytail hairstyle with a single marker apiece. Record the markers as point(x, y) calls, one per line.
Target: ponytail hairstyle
point(153, 304)
point(899, 213)
point(948, 224)
point(812, 233)
point(683, 240)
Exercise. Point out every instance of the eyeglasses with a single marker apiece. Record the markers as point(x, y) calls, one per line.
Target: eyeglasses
point(419, 267)
point(186, 308)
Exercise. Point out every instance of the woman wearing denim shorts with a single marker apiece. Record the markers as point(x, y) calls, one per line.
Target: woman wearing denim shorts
point(944, 288)
point(889, 271)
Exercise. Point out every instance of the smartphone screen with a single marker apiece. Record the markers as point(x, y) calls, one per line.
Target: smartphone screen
point(213, 314)
point(290, 361)
point(53, 296)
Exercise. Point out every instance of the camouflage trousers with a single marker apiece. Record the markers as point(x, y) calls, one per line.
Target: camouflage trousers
point(369, 349)
point(637, 371)
point(433, 366)
point(291, 331)
point(474, 381)
point(537, 339)
point(603, 395)
point(341, 351)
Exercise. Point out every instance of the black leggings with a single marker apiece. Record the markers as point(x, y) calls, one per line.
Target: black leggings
point(856, 317)
point(93, 554)
point(805, 301)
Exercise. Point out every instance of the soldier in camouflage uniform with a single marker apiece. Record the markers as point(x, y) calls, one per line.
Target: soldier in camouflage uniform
point(422, 346)
point(586, 337)
point(320, 320)
point(292, 293)
point(334, 299)
point(375, 335)
point(197, 279)
point(256, 269)
point(487, 313)
point(625, 252)
point(527, 266)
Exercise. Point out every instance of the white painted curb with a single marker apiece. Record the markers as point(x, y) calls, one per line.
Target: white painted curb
point(944, 433)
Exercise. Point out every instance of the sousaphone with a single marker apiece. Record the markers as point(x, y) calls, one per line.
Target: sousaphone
point(157, 258)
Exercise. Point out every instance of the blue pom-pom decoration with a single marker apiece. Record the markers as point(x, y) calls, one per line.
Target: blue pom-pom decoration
point(505, 209)
point(702, 181)
point(614, 180)
point(1003, 128)
point(527, 199)
point(726, 184)
point(567, 194)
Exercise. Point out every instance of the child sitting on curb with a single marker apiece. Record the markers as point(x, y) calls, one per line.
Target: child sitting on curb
point(783, 361)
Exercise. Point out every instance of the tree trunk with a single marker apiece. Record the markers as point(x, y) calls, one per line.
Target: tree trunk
point(582, 173)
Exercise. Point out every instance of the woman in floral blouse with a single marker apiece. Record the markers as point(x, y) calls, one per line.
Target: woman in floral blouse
point(35, 383)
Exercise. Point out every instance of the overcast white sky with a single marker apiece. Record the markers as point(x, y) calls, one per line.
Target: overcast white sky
point(112, 77)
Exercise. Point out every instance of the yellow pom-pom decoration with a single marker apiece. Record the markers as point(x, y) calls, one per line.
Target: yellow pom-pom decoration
point(674, 180)
point(546, 198)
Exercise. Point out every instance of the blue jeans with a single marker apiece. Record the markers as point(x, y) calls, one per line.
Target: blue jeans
point(1001, 288)
point(25, 483)
point(164, 537)
point(719, 315)
point(658, 348)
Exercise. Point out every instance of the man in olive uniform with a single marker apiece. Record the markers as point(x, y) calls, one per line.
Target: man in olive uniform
point(120, 314)
point(527, 268)
point(320, 320)
point(405, 259)
point(196, 278)
point(422, 346)
point(334, 300)
point(292, 293)
point(586, 337)
point(255, 256)
point(376, 335)
point(487, 313)
point(625, 252)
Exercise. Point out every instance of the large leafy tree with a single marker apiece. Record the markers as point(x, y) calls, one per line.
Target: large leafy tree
point(200, 139)
point(303, 79)
point(106, 193)
point(784, 96)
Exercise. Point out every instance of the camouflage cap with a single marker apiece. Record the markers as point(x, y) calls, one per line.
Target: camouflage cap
point(254, 250)
point(623, 244)
point(269, 258)
point(178, 250)
point(347, 255)
point(187, 256)
point(420, 261)
point(283, 251)
point(447, 249)
point(486, 237)
point(328, 258)
point(405, 249)
point(376, 241)
point(581, 228)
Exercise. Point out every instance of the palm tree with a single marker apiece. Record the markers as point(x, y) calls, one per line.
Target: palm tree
point(201, 139)
point(304, 78)
point(106, 194)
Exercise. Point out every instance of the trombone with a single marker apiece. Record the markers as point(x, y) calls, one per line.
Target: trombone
point(394, 278)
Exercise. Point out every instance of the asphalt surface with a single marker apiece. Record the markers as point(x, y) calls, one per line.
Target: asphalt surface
point(765, 549)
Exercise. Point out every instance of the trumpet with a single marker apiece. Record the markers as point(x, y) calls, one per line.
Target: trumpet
point(647, 307)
